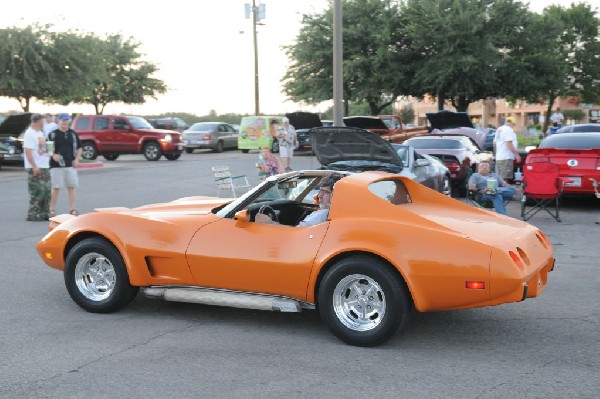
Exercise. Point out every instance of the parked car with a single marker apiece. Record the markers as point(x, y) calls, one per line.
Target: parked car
point(580, 128)
point(456, 123)
point(458, 153)
point(176, 124)
point(216, 136)
point(303, 122)
point(364, 268)
point(358, 150)
point(577, 154)
point(12, 129)
point(113, 135)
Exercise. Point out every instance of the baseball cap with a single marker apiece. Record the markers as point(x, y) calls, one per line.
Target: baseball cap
point(37, 117)
point(63, 117)
point(511, 119)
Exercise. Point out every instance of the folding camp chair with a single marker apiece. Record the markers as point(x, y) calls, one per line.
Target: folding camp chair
point(225, 181)
point(541, 186)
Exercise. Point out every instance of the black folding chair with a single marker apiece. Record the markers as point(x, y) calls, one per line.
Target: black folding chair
point(542, 187)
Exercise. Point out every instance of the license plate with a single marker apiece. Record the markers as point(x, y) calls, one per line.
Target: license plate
point(576, 181)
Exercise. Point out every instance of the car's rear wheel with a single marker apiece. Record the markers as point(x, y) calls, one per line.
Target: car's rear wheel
point(110, 156)
point(89, 151)
point(363, 300)
point(152, 151)
point(172, 157)
point(96, 277)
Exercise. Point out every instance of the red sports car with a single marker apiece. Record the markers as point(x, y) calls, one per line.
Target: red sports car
point(577, 154)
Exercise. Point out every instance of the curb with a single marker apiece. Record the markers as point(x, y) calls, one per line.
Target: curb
point(89, 165)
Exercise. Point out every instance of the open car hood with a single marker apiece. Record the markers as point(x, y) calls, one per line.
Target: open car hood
point(477, 135)
point(335, 144)
point(448, 120)
point(15, 124)
point(304, 120)
point(365, 122)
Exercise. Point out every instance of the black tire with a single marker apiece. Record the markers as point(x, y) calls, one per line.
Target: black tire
point(152, 151)
point(96, 277)
point(189, 150)
point(219, 147)
point(110, 156)
point(389, 306)
point(245, 151)
point(275, 147)
point(89, 151)
point(172, 157)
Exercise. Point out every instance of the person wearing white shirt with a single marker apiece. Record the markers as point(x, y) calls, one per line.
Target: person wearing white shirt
point(49, 125)
point(37, 165)
point(557, 118)
point(506, 149)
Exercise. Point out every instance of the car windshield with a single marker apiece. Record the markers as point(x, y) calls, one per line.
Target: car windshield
point(571, 141)
point(435, 144)
point(295, 188)
point(203, 127)
point(139, 123)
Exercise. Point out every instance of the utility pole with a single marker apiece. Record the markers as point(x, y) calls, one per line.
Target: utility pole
point(258, 13)
point(338, 73)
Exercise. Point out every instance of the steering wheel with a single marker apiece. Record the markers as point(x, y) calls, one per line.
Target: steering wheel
point(270, 212)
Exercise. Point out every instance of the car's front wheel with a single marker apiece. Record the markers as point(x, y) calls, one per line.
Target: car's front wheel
point(173, 157)
point(363, 301)
point(96, 277)
point(152, 151)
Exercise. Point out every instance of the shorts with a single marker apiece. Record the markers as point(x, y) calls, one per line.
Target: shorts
point(505, 168)
point(286, 152)
point(64, 177)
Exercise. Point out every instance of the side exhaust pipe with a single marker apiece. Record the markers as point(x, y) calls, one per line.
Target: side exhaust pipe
point(232, 299)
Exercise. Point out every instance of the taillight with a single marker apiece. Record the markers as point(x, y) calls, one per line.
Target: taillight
point(534, 159)
point(206, 137)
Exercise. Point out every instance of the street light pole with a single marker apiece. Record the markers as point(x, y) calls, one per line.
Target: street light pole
point(256, 96)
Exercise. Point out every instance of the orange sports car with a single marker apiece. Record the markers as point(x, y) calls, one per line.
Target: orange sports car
point(389, 244)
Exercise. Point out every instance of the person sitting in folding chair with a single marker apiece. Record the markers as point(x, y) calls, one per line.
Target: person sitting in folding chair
point(491, 187)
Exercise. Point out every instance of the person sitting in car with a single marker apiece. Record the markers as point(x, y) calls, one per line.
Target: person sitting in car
point(324, 197)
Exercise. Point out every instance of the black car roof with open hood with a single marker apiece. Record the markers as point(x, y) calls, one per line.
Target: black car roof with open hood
point(335, 144)
point(15, 124)
point(365, 122)
point(448, 120)
point(304, 120)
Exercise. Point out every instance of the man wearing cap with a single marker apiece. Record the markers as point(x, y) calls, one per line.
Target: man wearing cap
point(506, 149)
point(37, 164)
point(63, 163)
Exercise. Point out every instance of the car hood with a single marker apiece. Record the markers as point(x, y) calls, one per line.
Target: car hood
point(335, 144)
point(304, 120)
point(365, 122)
point(447, 119)
point(187, 206)
point(15, 124)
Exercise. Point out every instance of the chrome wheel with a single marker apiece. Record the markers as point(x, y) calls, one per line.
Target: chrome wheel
point(359, 302)
point(95, 276)
point(152, 151)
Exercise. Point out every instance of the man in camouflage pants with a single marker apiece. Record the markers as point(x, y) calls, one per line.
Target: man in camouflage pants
point(37, 164)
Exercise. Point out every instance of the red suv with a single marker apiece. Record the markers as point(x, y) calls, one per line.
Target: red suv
point(113, 135)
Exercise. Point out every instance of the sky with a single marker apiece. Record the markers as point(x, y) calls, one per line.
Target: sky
point(203, 49)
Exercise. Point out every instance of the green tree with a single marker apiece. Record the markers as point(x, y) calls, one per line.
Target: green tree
point(124, 78)
point(26, 71)
point(372, 63)
point(569, 56)
point(460, 47)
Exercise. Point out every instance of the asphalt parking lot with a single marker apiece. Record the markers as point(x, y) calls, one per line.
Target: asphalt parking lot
point(546, 347)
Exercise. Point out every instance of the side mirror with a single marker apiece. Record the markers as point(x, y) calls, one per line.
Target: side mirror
point(422, 162)
point(241, 218)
